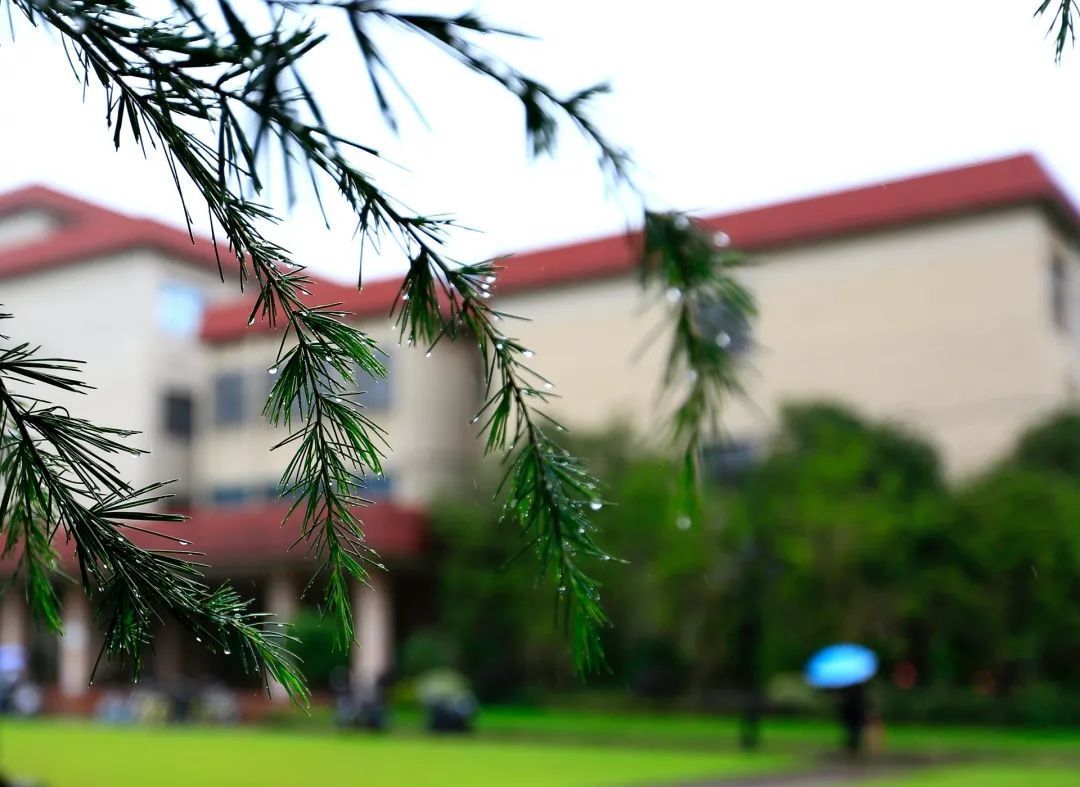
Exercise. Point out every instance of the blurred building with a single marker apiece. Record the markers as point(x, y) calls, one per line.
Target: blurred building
point(947, 302)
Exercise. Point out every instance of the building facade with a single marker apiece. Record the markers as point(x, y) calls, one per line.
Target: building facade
point(946, 302)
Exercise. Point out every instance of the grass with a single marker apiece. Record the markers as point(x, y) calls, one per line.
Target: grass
point(783, 734)
point(70, 754)
point(514, 746)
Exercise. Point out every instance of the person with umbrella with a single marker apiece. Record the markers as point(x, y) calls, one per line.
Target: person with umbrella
point(846, 667)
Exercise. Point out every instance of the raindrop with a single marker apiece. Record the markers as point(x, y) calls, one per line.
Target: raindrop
point(272, 370)
point(682, 222)
point(581, 531)
point(528, 353)
point(562, 588)
point(606, 558)
point(427, 354)
point(405, 297)
point(495, 317)
point(548, 385)
point(683, 523)
point(673, 295)
point(490, 279)
point(499, 346)
point(723, 339)
point(474, 420)
point(485, 294)
point(198, 639)
point(721, 239)
point(227, 652)
point(78, 25)
point(596, 505)
point(251, 321)
point(337, 400)
point(184, 543)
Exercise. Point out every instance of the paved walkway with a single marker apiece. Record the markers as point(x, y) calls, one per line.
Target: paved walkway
point(821, 778)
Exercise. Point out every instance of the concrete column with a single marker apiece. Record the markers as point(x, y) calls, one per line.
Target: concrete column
point(76, 649)
point(283, 601)
point(13, 617)
point(373, 611)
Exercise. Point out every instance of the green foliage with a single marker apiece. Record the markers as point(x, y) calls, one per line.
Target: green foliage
point(1003, 586)
point(690, 269)
point(491, 613)
point(425, 650)
point(59, 479)
point(315, 648)
point(1062, 24)
point(845, 531)
point(833, 509)
point(1052, 446)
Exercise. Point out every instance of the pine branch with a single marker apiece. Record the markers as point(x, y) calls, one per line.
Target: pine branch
point(1062, 20)
point(547, 491)
point(216, 103)
point(684, 263)
point(57, 480)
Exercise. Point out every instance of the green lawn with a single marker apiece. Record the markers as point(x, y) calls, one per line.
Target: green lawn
point(514, 746)
point(784, 734)
point(69, 754)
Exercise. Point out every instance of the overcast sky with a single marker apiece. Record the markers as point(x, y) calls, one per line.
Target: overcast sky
point(723, 105)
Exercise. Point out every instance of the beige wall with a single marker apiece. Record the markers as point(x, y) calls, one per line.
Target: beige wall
point(105, 313)
point(430, 445)
point(944, 327)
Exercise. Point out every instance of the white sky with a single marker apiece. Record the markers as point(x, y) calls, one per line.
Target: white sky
point(723, 104)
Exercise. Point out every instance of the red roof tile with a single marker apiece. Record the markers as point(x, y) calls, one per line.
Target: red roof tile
point(964, 190)
point(254, 535)
point(88, 231)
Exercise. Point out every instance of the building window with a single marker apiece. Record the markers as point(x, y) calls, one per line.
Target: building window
point(179, 309)
point(228, 496)
point(1059, 293)
point(229, 405)
point(729, 330)
point(374, 487)
point(374, 393)
point(179, 411)
point(728, 462)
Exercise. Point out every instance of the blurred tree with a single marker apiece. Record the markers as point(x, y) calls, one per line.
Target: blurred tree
point(844, 531)
point(827, 518)
point(1052, 446)
point(668, 601)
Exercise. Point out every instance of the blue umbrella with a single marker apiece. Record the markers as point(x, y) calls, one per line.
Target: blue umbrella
point(839, 666)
